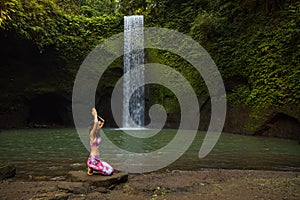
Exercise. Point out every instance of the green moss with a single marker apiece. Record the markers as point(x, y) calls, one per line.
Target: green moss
point(258, 42)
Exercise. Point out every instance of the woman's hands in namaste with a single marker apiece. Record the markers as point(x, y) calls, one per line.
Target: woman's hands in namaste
point(94, 112)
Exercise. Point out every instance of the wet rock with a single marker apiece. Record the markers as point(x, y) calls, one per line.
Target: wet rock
point(58, 178)
point(93, 195)
point(101, 190)
point(74, 187)
point(51, 189)
point(7, 172)
point(98, 180)
point(52, 196)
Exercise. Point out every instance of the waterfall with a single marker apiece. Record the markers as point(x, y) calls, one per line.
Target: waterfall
point(133, 106)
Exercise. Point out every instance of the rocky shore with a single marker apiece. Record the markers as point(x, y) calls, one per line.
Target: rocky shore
point(203, 184)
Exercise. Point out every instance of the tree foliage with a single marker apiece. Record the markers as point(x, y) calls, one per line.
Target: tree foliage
point(63, 26)
point(256, 41)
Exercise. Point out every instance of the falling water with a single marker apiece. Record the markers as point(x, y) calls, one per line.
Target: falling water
point(133, 106)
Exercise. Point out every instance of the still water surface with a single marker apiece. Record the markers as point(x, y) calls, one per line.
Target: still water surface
point(53, 152)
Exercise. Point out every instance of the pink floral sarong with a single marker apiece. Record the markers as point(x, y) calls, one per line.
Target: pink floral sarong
point(99, 165)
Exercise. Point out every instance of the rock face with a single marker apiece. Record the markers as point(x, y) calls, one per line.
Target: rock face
point(280, 125)
point(35, 81)
point(98, 180)
point(7, 172)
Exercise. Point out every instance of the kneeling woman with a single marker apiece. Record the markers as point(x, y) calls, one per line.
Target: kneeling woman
point(94, 162)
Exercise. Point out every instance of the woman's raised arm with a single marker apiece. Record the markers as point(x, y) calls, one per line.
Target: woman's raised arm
point(94, 113)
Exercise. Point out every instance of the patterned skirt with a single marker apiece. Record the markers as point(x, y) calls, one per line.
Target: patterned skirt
point(97, 164)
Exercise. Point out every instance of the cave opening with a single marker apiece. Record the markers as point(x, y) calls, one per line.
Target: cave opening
point(47, 110)
point(280, 125)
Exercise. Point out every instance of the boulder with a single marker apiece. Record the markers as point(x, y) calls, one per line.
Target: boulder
point(7, 172)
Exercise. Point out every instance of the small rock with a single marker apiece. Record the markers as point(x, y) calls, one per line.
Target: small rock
point(101, 189)
point(60, 196)
point(93, 195)
point(111, 187)
point(58, 178)
point(51, 189)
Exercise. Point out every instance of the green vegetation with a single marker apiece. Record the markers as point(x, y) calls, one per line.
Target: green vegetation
point(255, 44)
point(63, 24)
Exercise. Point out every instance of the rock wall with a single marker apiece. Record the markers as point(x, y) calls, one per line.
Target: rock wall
point(35, 86)
point(36, 91)
point(280, 125)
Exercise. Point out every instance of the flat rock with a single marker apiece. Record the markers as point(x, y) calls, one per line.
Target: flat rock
point(98, 180)
point(74, 187)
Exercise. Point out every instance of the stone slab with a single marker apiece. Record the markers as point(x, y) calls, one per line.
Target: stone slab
point(98, 180)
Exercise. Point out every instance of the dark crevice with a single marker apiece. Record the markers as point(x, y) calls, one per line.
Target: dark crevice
point(47, 110)
point(280, 125)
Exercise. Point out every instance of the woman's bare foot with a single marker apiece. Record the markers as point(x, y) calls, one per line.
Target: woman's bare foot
point(90, 171)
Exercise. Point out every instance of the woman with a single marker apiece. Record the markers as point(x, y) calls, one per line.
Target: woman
point(94, 162)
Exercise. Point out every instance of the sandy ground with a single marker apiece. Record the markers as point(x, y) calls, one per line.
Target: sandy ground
point(204, 184)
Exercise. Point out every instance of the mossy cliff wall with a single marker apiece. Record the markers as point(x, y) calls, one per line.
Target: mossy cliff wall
point(255, 45)
point(37, 92)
